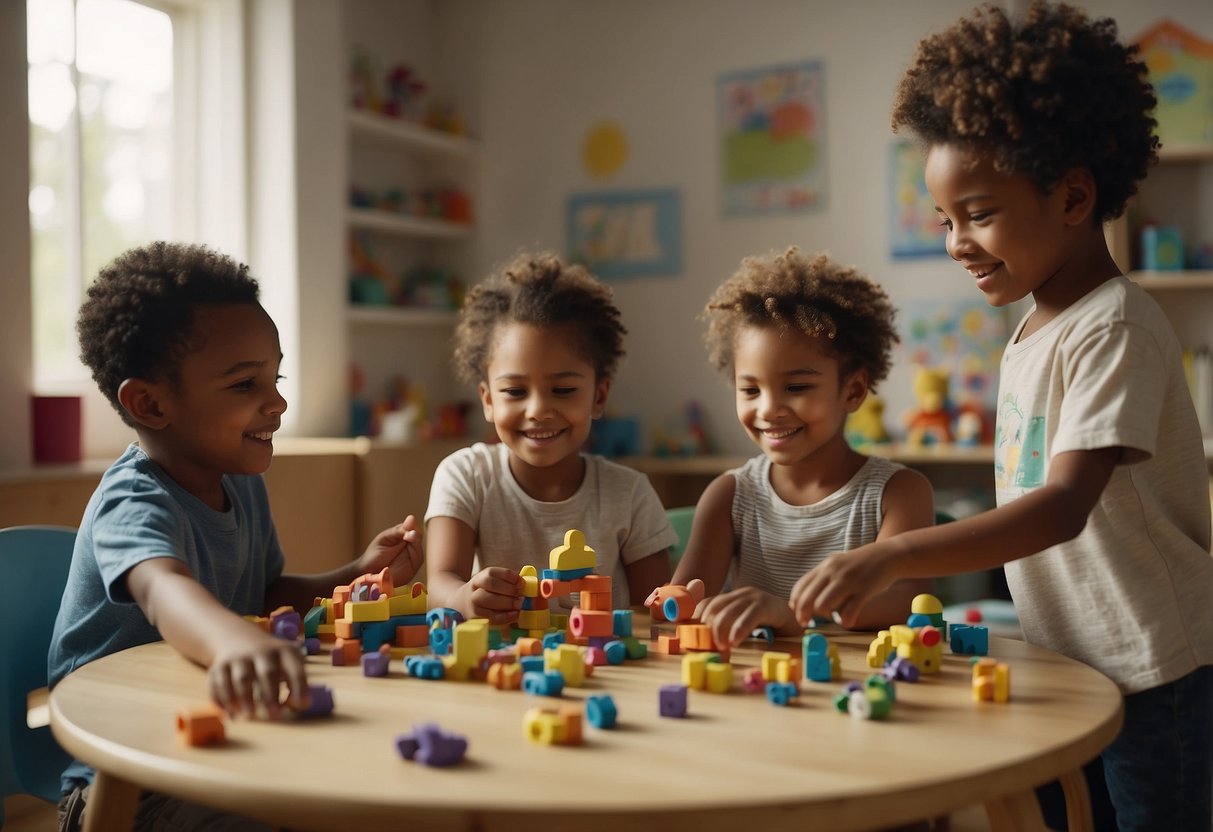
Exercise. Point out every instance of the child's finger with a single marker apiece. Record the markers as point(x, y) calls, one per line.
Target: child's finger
point(269, 683)
point(243, 685)
point(296, 680)
point(498, 585)
point(221, 688)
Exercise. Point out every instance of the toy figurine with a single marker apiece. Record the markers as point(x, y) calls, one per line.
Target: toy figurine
point(930, 424)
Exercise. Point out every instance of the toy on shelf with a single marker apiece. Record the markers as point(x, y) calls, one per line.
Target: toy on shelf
point(370, 284)
point(865, 427)
point(403, 91)
point(687, 439)
point(931, 422)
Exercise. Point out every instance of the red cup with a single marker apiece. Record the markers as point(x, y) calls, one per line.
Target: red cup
point(56, 423)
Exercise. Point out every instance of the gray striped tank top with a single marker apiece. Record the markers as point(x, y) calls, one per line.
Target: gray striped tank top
point(777, 542)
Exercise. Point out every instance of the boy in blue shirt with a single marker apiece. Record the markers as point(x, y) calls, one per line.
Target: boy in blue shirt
point(177, 541)
point(1038, 131)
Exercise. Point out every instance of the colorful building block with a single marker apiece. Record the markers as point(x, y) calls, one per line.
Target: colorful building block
point(552, 726)
point(672, 700)
point(200, 726)
point(601, 711)
point(969, 639)
point(431, 746)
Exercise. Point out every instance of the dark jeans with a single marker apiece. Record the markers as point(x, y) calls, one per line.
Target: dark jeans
point(1158, 772)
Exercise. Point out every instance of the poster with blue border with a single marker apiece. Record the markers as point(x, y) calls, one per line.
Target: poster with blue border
point(626, 233)
point(914, 228)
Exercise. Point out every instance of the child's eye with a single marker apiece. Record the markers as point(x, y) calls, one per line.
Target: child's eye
point(799, 388)
point(564, 391)
point(944, 222)
point(513, 392)
point(243, 386)
point(279, 378)
point(980, 216)
point(748, 391)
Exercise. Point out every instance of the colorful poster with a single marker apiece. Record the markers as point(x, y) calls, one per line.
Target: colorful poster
point(965, 338)
point(772, 139)
point(626, 233)
point(914, 227)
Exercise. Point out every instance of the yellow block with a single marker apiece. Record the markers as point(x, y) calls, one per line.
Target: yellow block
point(377, 610)
point(720, 677)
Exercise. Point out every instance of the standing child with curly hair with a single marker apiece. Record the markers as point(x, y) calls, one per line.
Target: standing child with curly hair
point(803, 340)
point(1037, 133)
point(542, 340)
point(177, 542)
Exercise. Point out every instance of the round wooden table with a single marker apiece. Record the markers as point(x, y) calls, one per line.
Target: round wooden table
point(736, 762)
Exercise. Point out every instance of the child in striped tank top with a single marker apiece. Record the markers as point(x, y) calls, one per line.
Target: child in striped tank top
point(803, 340)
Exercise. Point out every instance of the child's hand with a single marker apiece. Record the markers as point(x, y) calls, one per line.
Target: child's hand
point(494, 593)
point(840, 586)
point(252, 669)
point(398, 548)
point(734, 615)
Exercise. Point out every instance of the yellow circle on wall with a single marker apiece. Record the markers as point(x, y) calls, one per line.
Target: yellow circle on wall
point(605, 149)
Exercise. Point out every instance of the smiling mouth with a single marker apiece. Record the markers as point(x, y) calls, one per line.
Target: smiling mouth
point(261, 435)
point(779, 433)
point(985, 271)
point(540, 435)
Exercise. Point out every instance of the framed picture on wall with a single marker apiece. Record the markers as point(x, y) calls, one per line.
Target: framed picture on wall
point(914, 229)
point(772, 139)
point(626, 233)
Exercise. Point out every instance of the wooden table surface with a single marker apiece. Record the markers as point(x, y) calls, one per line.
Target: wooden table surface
point(736, 762)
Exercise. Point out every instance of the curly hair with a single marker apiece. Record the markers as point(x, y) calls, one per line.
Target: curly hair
point(540, 290)
point(137, 318)
point(1057, 91)
point(813, 295)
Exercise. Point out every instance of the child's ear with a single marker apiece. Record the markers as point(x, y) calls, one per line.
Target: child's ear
point(1079, 191)
point(601, 388)
point(486, 401)
point(141, 399)
point(855, 390)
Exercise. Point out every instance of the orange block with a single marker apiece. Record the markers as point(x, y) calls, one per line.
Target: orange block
point(200, 726)
point(413, 635)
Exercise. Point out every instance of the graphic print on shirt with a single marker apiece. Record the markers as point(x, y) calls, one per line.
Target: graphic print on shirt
point(1019, 447)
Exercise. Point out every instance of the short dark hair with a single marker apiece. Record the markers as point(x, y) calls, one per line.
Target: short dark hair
point(813, 295)
point(139, 311)
point(1052, 93)
point(541, 290)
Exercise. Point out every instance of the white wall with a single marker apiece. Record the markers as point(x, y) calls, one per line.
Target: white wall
point(537, 74)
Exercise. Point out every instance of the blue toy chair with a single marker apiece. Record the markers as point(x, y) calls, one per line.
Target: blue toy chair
point(33, 572)
point(680, 519)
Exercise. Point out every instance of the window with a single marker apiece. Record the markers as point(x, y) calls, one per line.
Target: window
point(117, 109)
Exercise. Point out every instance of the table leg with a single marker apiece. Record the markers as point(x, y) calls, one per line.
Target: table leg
point(1078, 801)
point(1018, 812)
point(111, 804)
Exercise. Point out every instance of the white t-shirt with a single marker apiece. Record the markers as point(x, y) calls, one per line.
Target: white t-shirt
point(1132, 595)
point(616, 508)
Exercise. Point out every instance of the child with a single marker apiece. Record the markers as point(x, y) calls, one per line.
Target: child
point(1037, 133)
point(177, 541)
point(804, 340)
point(542, 340)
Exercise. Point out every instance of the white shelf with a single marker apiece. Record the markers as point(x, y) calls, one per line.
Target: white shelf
point(1188, 279)
point(399, 316)
point(1186, 153)
point(414, 137)
point(406, 225)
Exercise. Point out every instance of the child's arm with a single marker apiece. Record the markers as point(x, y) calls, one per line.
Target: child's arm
point(1049, 515)
point(908, 503)
point(646, 574)
point(246, 665)
point(734, 615)
point(398, 548)
point(494, 593)
point(710, 548)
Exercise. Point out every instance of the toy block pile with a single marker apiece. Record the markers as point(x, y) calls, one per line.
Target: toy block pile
point(676, 604)
point(367, 615)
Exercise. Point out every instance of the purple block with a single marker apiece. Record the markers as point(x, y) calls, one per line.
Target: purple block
point(431, 746)
point(321, 703)
point(672, 700)
point(375, 664)
point(311, 645)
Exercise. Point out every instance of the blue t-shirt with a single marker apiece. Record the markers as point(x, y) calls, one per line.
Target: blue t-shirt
point(137, 513)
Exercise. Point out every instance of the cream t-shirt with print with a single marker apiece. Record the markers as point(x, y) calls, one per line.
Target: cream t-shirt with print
point(1132, 594)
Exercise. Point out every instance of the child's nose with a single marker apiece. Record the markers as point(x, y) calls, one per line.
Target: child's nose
point(276, 403)
point(959, 244)
point(538, 406)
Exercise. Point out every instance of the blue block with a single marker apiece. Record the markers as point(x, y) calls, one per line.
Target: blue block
point(969, 639)
point(440, 642)
point(600, 711)
point(547, 683)
point(553, 640)
point(565, 574)
point(531, 664)
point(621, 623)
point(616, 652)
point(780, 693)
